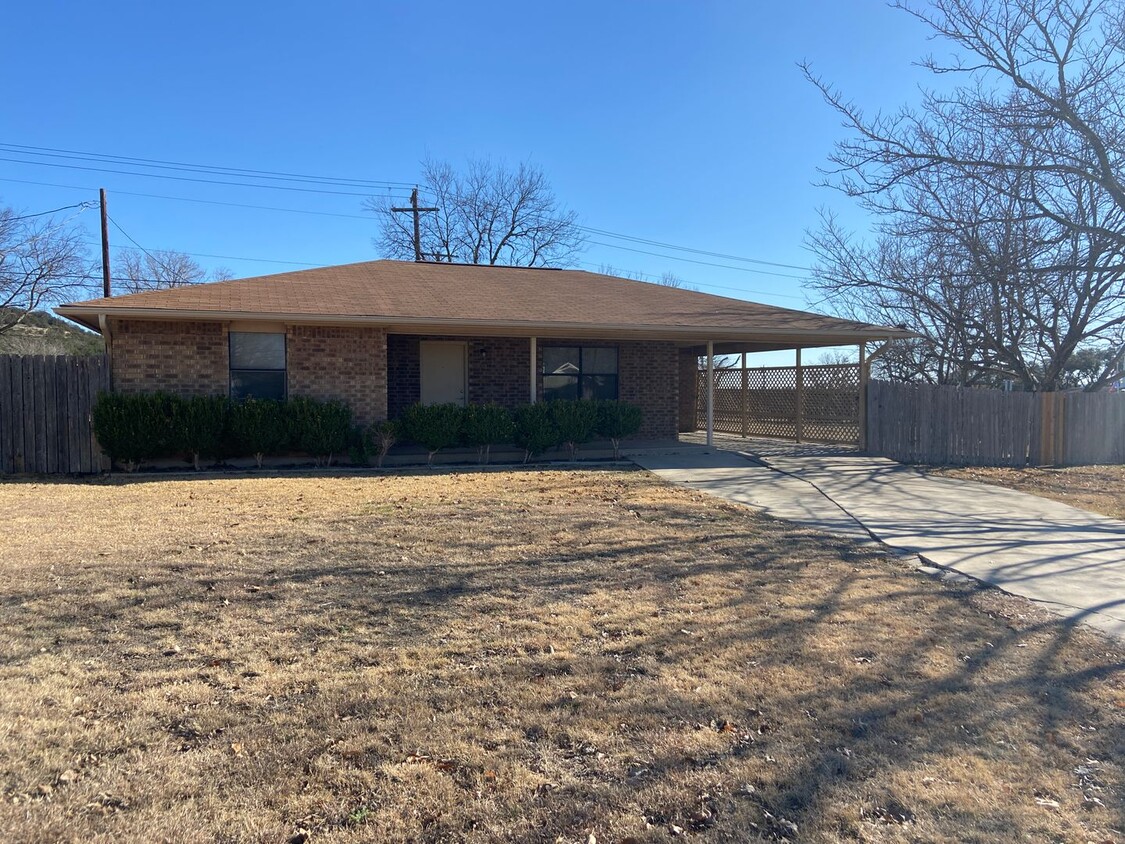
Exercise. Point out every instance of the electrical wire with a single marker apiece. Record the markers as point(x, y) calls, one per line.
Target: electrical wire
point(85, 206)
point(338, 181)
point(185, 178)
point(156, 163)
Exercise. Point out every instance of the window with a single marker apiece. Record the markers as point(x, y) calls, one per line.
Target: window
point(257, 365)
point(579, 372)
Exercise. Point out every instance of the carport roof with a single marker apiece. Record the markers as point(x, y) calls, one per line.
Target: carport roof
point(473, 299)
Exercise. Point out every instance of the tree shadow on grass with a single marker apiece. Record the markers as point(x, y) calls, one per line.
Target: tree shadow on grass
point(580, 664)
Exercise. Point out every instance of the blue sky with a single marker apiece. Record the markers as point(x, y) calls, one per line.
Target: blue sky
point(687, 123)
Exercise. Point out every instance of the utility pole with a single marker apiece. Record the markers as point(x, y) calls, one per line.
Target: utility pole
point(105, 245)
point(417, 212)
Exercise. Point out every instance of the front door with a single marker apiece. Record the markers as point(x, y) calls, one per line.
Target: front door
point(443, 372)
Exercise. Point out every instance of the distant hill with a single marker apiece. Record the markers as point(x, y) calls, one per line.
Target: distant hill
point(41, 333)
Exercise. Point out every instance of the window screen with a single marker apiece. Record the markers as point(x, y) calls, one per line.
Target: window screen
point(257, 365)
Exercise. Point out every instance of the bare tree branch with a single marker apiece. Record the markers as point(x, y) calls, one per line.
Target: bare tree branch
point(489, 214)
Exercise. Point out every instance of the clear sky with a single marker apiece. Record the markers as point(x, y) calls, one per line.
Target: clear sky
point(682, 122)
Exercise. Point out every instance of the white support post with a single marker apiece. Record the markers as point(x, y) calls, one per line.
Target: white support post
point(710, 392)
point(534, 373)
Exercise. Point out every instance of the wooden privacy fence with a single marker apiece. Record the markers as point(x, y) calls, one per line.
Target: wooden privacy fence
point(921, 423)
point(818, 403)
point(46, 404)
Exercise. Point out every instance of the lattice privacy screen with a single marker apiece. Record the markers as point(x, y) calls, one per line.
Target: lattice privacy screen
point(763, 402)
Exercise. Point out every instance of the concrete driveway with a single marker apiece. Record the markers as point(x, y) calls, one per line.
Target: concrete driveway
point(1069, 560)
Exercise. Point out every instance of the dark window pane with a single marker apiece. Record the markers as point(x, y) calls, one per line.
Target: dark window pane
point(560, 387)
point(561, 360)
point(599, 386)
point(257, 384)
point(598, 361)
point(249, 350)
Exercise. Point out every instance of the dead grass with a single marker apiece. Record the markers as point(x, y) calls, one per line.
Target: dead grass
point(1097, 488)
point(525, 656)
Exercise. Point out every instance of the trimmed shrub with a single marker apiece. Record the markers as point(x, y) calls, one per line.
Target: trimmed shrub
point(434, 426)
point(132, 428)
point(197, 426)
point(486, 425)
point(383, 435)
point(575, 421)
point(535, 430)
point(617, 420)
point(318, 428)
point(258, 427)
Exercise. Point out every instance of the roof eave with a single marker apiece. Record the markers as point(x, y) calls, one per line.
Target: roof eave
point(89, 317)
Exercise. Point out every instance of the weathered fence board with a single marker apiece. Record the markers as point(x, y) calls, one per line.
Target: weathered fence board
point(46, 407)
point(920, 423)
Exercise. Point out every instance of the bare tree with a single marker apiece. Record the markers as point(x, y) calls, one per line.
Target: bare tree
point(42, 261)
point(1000, 203)
point(666, 279)
point(161, 269)
point(489, 214)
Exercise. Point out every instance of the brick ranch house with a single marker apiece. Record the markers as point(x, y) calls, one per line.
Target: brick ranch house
point(382, 335)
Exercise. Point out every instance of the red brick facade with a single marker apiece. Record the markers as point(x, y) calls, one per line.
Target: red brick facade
point(188, 358)
point(338, 362)
point(377, 374)
point(689, 390)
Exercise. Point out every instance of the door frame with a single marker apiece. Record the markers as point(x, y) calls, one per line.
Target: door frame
point(465, 365)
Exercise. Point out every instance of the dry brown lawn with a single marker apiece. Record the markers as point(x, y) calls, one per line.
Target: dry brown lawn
point(1097, 488)
point(520, 656)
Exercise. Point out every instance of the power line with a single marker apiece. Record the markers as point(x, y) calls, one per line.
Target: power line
point(365, 217)
point(694, 261)
point(185, 178)
point(338, 181)
point(222, 257)
point(162, 164)
point(85, 206)
point(690, 249)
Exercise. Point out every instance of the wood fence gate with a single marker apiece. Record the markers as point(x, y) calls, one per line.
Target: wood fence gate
point(46, 405)
point(819, 403)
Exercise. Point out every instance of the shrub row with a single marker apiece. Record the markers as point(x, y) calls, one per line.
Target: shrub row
point(151, 426)
point(534, 427)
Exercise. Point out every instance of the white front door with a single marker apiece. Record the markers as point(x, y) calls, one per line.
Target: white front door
point(443, 366)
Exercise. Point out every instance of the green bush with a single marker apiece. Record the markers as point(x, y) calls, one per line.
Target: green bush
point(535, 430)
point(486, 425)
point(617, 420)
point(575, 421)
point(132, 428)
point(318, 428)
point(382, 436)
point(197, 426)
point(434, 426)
point(258, 427)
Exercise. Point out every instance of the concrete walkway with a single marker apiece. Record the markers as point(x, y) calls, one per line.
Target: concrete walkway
point(1069, 560)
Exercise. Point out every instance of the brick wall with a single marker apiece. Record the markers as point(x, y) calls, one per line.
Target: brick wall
point(689, 390)
point(499, 368)
point(338, 362)
point(187, 358)
point(648, 375)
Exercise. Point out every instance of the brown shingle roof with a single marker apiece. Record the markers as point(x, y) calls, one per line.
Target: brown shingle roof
point(399, 293)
